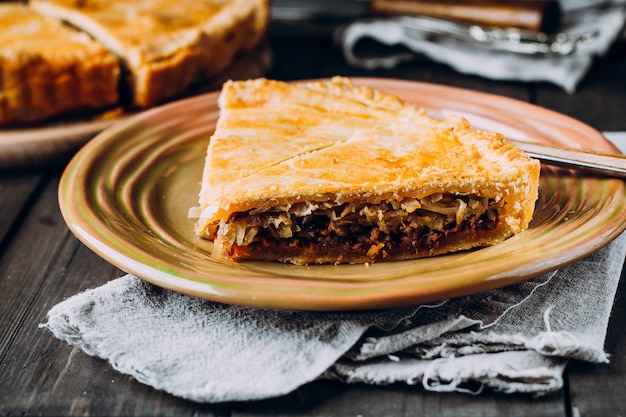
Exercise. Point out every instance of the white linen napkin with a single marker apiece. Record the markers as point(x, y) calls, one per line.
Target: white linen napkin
point(565, 71)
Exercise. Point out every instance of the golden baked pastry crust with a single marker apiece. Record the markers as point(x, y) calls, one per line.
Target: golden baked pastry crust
point(166, 46)
point(288, 147)
point(47, 69)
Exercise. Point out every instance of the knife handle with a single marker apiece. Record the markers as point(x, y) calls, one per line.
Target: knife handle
point(534, 15)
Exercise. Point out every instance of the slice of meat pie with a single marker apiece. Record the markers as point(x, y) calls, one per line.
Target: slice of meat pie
point(327, 172)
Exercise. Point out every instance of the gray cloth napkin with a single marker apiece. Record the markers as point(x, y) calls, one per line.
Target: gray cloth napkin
point(565, 71)
point(514, 339)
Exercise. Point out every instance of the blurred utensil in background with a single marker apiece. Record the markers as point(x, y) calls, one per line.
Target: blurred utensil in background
point(508, 39)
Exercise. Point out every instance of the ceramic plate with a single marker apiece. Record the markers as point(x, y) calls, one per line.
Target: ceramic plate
point(126, 195)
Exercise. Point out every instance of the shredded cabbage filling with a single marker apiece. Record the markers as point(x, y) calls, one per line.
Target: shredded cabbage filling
point(413, 222)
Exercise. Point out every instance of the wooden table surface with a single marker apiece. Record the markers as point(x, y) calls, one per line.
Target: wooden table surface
point(41, 264)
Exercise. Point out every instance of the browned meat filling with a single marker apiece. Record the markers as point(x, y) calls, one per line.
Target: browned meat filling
point(372, 230)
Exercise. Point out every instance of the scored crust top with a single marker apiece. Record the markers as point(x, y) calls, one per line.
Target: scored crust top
point(278, 143)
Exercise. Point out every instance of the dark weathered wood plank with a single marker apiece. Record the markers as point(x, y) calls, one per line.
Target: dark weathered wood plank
point(15, 190)
point(23, 267)
point(24, 270)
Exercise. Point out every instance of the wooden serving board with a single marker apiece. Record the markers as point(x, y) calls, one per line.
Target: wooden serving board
point(53, 144)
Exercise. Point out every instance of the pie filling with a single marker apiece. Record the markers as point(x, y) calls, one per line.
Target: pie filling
point(323, 232)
